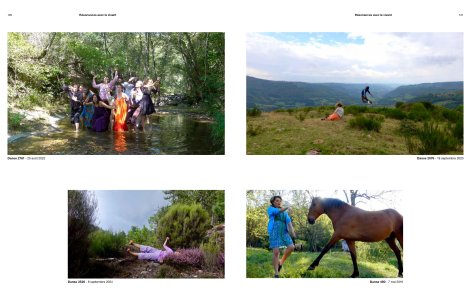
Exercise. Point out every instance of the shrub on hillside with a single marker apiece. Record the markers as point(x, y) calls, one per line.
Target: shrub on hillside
point(211, 252)
point(399, 104)
point(431, 140)
point(254, 112)
point(452, 115)
point(394, 113)
point(254, 130)
point(369, 123)
point(407, 128)
point(418, 112)
point(355, 110)
point(458, 130)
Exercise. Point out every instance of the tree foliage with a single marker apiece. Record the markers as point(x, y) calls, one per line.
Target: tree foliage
point(211, 200)
point(185, 224)
point(81, 217)
point(188, 63)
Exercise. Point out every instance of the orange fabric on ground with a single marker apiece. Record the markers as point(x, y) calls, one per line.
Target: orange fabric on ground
point(333, 117)
point(120, 115)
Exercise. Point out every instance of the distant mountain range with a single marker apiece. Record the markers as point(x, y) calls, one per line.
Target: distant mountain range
point(270, 95)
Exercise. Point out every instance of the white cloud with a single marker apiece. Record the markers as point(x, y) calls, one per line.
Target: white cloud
point(383, 57)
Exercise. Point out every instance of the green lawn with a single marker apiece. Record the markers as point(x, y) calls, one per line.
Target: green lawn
point(282, 133)
point(332, 265)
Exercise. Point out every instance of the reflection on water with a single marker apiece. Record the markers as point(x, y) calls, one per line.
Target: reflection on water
point(165, 134)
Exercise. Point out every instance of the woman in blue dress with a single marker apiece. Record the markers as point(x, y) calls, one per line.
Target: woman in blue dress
point(88, 109)
point(279, 229)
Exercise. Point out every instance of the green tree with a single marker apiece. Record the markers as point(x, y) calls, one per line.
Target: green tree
point(81, 217)
point(211, 200)
point(144, 235)
point(185, 224)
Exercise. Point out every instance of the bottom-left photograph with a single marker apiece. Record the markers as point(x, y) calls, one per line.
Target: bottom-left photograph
point(146, 234)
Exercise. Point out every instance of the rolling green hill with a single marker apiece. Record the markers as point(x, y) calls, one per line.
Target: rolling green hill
point(270, 95)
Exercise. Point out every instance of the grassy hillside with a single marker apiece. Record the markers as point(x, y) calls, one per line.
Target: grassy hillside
point(415, 90)
point(332, 265)
point(413, 129)
point(269, 95)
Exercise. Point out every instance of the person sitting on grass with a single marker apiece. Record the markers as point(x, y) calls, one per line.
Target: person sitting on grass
point(337, 114)
point(150, 253)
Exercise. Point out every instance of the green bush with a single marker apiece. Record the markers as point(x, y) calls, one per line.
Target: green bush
point(418, 112)
point(369, 123)
point(14, 120)
point(254, 112)
point(407, 128)
point(301, 115)
point(452, 115)
point(394, 113)
point(428, 105)
point(458, 130)
point(107, 244)
point(185, 224)
point(432, 140)
point(211, 252)
point(355, 110)
point(399, 104)
point(374, 252)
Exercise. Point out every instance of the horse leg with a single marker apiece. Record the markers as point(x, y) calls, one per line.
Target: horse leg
point(398, 234)
point(334, 239)
point(392, 244)
point(353, 254)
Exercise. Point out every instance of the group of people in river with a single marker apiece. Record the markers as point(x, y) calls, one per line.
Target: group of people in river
point(116, 105)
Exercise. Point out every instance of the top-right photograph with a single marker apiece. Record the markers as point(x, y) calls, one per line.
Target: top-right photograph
point(340, 93)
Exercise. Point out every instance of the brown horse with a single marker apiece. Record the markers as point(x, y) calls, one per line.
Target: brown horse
point(354, 224)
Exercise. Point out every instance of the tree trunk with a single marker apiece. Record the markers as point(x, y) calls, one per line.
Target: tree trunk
point(48, 46)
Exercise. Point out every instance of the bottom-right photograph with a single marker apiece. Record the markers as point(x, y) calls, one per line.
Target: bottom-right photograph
point(324, 234)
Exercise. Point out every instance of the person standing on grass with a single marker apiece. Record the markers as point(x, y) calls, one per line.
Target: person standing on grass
point(150, 253)
point(279, 229)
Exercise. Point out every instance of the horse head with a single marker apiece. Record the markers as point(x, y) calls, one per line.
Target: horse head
point(315, 210)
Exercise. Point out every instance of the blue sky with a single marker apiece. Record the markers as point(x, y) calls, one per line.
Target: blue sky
point(119, 210)
point(405, 57)
point(329, 38)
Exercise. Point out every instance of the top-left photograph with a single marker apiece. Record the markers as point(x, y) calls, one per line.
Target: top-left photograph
point(112, 93)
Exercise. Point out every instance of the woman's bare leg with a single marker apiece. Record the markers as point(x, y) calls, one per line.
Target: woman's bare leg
point(276, 259)
point(287, 253)
point(131, 242)
point(132, 253)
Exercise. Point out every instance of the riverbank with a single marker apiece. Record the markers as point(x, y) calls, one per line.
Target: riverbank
point(23, 123)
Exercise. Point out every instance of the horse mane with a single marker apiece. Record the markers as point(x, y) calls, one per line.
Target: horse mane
point(330, 203)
